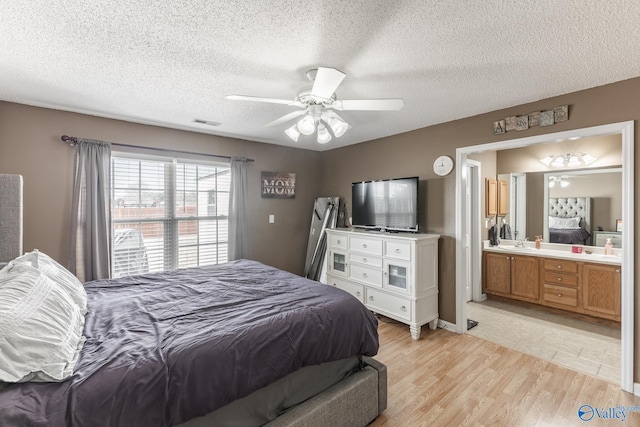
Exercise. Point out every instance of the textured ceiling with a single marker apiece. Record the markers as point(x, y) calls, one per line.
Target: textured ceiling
point(169, 62)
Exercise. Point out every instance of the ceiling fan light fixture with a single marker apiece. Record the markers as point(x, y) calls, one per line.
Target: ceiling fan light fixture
point(323, 134)
point(306, 125)
point(293, 133)
point(338, 126)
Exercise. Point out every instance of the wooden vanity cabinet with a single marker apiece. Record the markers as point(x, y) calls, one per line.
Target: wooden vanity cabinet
point(560, 284)
point(601, 290)
point(580, 287)
point(513, 276)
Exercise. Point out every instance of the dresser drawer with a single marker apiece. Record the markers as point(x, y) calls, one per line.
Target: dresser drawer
point(338, 242)
point(390, 304)
point(560, 265)
point(364, 245)
point(552, 277)
point(352, 288)
point(366, 259)
point(368, 275)
point(400, 250)
point(561, 295)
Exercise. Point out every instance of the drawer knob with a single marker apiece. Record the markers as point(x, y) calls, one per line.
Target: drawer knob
point(397, 250)
point(364, 275)
point(560, 295)
point(339, 241)
point(370, 297)
point(364, 260)
point(560, 267)
point(358, 293)
point(403, 308)
point(559, 279)
point(364, 245)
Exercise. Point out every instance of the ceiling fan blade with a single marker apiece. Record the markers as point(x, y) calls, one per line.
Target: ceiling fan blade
point(259, 99)
point(326, 82)
point(369, 104)
point(286, 118)
point(331, 113)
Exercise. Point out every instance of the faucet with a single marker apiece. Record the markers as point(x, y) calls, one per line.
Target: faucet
point(520, 242)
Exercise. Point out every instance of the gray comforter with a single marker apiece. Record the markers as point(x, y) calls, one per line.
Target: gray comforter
point(164, 348)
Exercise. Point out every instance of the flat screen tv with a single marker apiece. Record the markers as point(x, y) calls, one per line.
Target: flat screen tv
point(390, 204)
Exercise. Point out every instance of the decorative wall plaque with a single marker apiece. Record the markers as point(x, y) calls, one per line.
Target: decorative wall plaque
point(546, 118)
point(560, 114)
point(536, 118)
point(278, 185)
point(522, 122)
point(499, 127)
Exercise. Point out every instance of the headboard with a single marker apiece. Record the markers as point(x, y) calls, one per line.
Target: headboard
point(571, 207)
point(10, 217)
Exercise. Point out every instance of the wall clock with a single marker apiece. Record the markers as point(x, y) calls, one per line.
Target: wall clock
point(443, 165)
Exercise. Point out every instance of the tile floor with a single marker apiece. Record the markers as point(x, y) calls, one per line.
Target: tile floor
point(589, 348)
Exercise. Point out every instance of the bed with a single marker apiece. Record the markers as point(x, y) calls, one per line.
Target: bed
point(238, 344)
point(570, 220)
point(163, 349)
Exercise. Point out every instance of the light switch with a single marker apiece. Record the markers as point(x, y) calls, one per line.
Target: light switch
point(272, 219)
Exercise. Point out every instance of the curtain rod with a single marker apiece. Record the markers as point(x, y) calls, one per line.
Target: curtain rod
point(72, 140)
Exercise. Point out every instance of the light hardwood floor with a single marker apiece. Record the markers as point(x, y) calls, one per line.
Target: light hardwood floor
point(446, 379)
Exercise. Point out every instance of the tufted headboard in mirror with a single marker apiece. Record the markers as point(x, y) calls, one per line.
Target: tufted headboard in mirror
point(571, 207)
point(11, 188)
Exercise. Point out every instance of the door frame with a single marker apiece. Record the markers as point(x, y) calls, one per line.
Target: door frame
point(474, 175)
point(626, 130)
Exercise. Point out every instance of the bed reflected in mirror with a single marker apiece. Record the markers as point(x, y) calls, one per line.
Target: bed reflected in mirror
point(583, 206)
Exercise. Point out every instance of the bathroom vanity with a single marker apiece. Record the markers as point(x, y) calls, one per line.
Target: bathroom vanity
point(554, 276)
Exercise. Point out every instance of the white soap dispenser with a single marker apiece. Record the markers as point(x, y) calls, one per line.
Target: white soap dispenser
point(608, 247)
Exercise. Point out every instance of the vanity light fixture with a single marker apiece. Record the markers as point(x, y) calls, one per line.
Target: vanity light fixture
point(568, 160)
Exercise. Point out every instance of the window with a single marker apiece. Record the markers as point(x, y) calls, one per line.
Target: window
point(167, 213)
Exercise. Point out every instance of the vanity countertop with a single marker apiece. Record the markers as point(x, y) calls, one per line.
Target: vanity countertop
point(554, 250)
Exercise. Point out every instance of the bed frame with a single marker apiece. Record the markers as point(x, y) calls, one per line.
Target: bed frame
point(355, 401)
point(570, 207)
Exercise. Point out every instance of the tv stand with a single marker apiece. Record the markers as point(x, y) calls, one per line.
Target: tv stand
point(395, 275)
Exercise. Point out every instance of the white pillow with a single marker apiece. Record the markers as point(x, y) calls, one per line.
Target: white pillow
point(63, 277)
point(555, 222)
point(40, 327)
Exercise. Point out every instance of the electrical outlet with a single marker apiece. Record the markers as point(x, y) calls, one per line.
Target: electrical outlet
point(272, 219)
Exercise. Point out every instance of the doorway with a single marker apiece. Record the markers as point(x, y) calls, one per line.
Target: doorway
point(625, 129)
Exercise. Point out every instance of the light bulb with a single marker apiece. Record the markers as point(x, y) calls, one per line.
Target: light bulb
point(306, 125)
point(339, 127)
point(323, 134)
point(293, 133)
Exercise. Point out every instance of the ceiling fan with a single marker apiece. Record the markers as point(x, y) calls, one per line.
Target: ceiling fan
point(318, 104)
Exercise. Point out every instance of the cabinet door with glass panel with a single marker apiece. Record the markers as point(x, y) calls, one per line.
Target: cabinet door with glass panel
point(397, 276)
point(339, 263)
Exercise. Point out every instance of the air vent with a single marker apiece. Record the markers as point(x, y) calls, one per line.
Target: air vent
point(207, 122)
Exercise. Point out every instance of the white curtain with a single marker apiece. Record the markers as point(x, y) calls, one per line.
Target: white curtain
point(91, 216)
point(238, 213)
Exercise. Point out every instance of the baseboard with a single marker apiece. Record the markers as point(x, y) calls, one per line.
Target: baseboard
point(446, 325)
point(636, 389)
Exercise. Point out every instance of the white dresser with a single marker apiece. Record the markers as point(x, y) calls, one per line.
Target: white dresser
point(393, 274)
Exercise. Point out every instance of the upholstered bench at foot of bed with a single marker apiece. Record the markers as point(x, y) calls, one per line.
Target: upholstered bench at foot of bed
point(355, 401)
